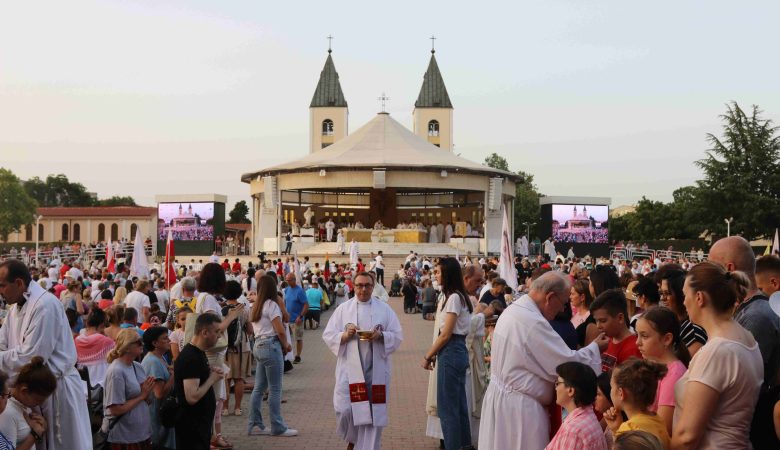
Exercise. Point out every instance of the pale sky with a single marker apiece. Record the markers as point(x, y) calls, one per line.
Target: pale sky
point(608, 98)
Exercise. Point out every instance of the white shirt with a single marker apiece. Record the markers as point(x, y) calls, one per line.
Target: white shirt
point(54, 274)
point(12, 423)
point(163, 299)
point(379, 262)
point(455, 305)
point(207, 302)
point(75, 273)
point(774, 302)
point(138, 300)
point(264, 326)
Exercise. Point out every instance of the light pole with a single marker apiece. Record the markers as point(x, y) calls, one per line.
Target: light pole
point(38, 218)
point(728, 225)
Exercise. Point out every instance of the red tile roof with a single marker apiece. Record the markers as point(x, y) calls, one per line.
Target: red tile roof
point(238, 226)
point(98, 211)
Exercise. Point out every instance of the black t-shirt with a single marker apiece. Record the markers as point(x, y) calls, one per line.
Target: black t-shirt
point(488, 297)
point(192, 363)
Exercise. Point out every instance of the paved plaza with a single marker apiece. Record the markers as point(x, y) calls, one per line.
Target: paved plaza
point(308, 390)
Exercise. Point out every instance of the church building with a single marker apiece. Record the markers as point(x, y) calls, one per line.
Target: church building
point(382, 181)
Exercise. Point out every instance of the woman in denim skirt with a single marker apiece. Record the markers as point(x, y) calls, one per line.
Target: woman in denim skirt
point(450, 353)
point(270, 346)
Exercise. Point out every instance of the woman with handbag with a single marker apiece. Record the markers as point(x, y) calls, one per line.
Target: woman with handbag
point(126, 420)
point(157, 344)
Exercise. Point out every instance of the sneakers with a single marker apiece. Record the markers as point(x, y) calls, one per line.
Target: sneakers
point(288, 433)
point(255, 430)
point(297, 360)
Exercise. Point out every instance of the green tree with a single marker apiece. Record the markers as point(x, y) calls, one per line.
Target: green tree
point(17, 208)
point(117, 200)
point(497, 161)
point(527, 207)
point(741, 177)
point(239, 213)
point(57, 190)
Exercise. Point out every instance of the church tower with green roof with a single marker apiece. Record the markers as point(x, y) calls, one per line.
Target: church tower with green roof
point(432, 115)
point(328, 112)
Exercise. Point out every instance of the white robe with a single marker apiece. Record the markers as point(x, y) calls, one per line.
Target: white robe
point(439, 232)
point(340, 242)
point(354, 251)
point(549, 249)
point(524, 354)
point(447, 233)
point(41, 329)
point(432, 236)
point(329, 227)
point(365, 437)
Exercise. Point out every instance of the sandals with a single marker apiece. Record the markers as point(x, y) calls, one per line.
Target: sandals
point(220, 443)
point(238, 412)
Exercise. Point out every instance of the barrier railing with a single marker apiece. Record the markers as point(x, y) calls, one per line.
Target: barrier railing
point(83, 254)
point(630, 254)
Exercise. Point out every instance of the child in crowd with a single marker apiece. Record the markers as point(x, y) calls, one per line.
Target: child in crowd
point(177, 336)
point(634, 385)
point(34, 384)
point(603, 402)
point(658, 338)
point(610, 313)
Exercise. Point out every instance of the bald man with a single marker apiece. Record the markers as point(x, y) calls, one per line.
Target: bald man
point(756, 316)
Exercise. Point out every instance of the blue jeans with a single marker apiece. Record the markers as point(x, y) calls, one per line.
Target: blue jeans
point(270, 366)
point(452, 362)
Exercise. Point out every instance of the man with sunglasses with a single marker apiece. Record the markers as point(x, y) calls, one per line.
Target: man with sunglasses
point(37, 326)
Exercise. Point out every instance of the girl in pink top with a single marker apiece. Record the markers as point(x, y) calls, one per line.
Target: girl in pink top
point(658, 338)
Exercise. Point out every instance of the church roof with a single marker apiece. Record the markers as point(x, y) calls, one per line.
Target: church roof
point(328, 92)
point(382, 143)
point(433, 93)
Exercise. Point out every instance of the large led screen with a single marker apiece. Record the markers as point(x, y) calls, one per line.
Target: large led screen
point(581, 224)
point(186, 221)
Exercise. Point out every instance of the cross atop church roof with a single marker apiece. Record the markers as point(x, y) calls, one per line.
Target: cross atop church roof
point(328, 92)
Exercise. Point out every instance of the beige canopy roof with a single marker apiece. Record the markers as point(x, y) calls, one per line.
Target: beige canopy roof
point(381, 143)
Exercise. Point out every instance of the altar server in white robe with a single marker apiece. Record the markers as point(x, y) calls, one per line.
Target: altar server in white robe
point(363, 367)
point(432, 235)
point(340, 242)
point(524, 354)
point(447, 232)
point(354, 252)
point(37, 326)
point(549, 249)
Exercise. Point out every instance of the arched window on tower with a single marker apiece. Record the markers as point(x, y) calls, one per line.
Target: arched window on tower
point(40, 231)
point(101, 232)
point(133, 230)
point(65, 232)
point(327, 127)
point(114, 232)
point(433, 128)
point(76, 232)
point(28, 229)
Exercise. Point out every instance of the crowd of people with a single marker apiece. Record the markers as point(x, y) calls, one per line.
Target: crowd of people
point(573, 353)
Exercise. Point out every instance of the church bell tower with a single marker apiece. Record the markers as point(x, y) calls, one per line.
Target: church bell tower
point(328, 112)
point(432, 115)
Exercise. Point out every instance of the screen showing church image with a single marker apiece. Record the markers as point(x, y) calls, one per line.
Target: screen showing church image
point(581, 224)
point(186, 221)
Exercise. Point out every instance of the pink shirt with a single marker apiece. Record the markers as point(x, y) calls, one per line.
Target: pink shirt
point(579, 431)
point(665, 394)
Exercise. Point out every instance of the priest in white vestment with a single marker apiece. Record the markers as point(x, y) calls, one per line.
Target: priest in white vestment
point(440, 232)
point(549, 249)
point(432, 236)
point(448, 232)
point(524, 354)
point(37, 326)
point(363, 368)
point(329, 227)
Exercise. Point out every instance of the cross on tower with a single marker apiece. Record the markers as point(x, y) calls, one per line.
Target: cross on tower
point(433, 44)
point(383, 99)
point(330, 41)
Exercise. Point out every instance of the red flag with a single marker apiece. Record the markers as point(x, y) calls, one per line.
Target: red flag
point(110, 262)
point(326, 270)
point(170, 271)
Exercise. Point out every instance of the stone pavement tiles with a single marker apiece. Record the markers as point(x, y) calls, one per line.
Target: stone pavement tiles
point(308, 389)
